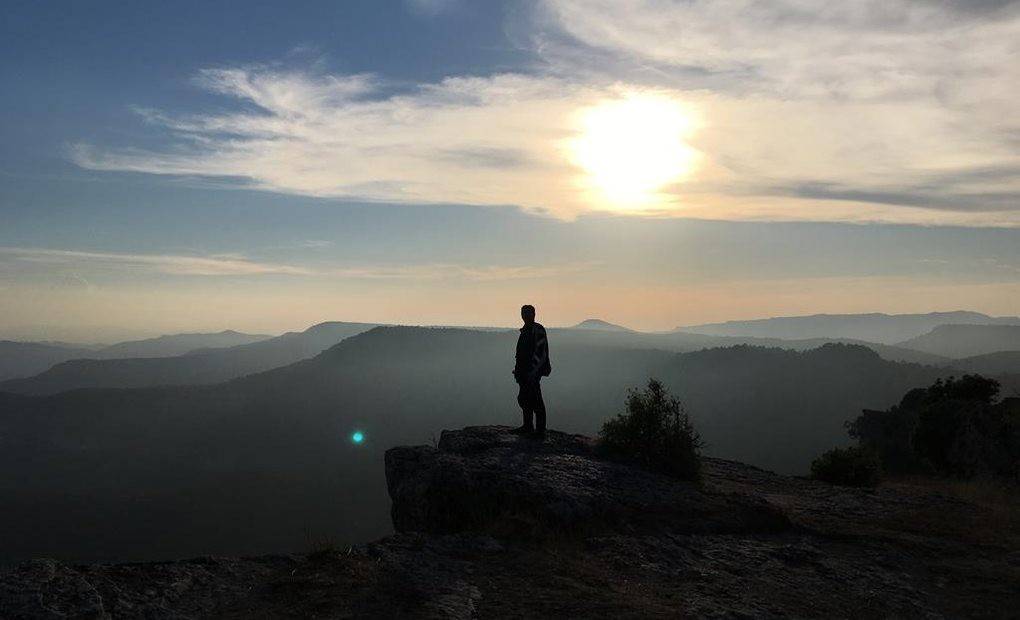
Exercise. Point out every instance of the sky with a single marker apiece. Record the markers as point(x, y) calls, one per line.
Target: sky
point(263, 166)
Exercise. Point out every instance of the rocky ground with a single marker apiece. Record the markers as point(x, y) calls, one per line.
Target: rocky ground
point(492, 525)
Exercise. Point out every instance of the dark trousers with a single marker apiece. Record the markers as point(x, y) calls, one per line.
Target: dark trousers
point(530, 400)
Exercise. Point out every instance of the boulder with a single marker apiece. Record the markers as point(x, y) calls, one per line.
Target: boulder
point(486, 478)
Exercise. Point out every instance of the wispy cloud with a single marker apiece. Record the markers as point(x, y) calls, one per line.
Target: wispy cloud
point(213, 265)
point(878, 110)
point(239, 265)
point(863, 50)
point(489, 273)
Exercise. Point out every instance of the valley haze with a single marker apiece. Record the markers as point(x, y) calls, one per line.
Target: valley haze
point(118, 446)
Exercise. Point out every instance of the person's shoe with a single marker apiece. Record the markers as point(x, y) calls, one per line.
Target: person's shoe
point(538, 434)
point(523, 430)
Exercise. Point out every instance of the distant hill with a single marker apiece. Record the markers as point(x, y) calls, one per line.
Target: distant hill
point(176, 344)
point(202, 366)
point(878, 328)
point(22, 359)
point(25, 359)
point(991, 364)
point(172, 471)
point(684, 342)
point(599, 324)
point(966, 340)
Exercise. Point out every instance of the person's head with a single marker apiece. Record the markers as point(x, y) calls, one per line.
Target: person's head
point(528, 313)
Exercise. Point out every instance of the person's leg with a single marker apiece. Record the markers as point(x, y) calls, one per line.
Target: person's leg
point(539, 407)
point(524, 399)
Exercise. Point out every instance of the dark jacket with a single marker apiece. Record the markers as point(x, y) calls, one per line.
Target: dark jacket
point(532, 359)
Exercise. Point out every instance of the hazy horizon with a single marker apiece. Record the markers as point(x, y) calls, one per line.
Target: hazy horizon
point(109, 334)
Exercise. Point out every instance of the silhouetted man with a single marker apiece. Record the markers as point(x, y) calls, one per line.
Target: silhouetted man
point(532, 363)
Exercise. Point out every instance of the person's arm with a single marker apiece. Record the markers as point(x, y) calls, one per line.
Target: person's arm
point(541, 353)
point(518, 370)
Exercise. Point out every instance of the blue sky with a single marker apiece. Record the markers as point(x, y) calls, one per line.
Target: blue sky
point(262, 166)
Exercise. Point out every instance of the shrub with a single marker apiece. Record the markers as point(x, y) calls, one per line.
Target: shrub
point(961, 438)
point(890, 435)
point(967, 387)
point(656, 432)
point(851, 467)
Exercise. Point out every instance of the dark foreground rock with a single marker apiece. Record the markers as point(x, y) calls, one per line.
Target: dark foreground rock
point(486, 479)
point(492, 525)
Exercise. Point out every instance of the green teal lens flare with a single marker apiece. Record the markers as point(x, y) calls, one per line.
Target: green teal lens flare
point(357, 437)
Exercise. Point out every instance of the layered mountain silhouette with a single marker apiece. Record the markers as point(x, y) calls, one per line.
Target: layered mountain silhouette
point(202, 366)
point(220, 356)
point(23, 359)
point(875, 327)
point(263, 462)
point(19, 359)
point(177, 344)
point(967, 340)
point(991, 364)
point(688, 342)
point(215, 365)
point(599, 324)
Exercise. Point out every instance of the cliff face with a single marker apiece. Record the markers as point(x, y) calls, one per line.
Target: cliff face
point(491, 524)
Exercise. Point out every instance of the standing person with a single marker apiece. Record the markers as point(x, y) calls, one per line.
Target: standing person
point(532, 363)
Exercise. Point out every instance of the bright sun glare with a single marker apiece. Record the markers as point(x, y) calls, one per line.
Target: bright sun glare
point(632, 147)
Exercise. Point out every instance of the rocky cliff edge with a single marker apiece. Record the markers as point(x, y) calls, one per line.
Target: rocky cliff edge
point(494, 525)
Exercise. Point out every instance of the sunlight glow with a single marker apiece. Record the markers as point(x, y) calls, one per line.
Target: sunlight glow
point(632, 147)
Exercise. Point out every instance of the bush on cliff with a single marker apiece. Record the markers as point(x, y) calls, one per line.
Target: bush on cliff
point(852, 467)
point(656, 432)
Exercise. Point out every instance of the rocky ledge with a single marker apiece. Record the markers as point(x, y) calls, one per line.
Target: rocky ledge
point(486, 479)
point(494, 525)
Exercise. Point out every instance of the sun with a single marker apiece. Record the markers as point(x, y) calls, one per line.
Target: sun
point(631, 147)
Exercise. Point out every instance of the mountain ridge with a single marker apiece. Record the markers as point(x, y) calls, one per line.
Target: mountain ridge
point(196, 367)
point(961, 340)
point(209, 366)
point(20, 359)
point(875, 327)
point(599, 324)
point(171, 345)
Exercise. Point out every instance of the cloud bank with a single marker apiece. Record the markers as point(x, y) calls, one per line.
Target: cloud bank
point(891, 111)
point(469, 140)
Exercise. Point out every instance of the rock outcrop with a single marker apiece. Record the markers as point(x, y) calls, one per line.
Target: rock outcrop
point(487, 479)
point(492, 525)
